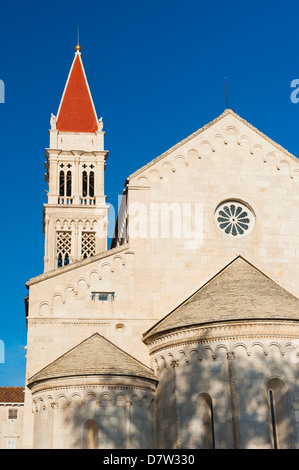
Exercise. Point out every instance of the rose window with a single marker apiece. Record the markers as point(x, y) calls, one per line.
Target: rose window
point(234, 218)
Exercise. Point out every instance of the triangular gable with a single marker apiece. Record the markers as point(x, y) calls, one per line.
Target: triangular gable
point(201, 130)
point(94, 356)
point(238, 292)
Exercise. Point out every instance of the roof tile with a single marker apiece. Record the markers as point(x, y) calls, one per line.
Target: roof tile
point(12, 394)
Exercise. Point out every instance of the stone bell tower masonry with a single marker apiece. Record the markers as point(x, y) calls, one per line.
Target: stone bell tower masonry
point(76, 214)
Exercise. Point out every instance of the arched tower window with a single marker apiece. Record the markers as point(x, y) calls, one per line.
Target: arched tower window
point(60, 260)
point(84, 183)
point(91, 434)
point(69, 183)
point(88, 244)
point(61, 183)
point(64, 243)
point(278, 404)
point(206, 413)
point(91, 184)
point(88, 185)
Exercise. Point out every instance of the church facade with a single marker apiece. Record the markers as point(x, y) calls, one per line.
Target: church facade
point(184, 333)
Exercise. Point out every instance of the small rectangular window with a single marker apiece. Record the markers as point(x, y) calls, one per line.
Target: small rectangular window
point(12, 413)
point(11, 444)
point(103, 296)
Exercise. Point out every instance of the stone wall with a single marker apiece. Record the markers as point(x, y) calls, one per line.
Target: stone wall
point(123, 415)
point(11, 430)
point(154, 273)
point(233, 371)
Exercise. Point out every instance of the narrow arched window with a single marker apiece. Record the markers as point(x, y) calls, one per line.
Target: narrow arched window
point(60, 260)
point(84, 184)
point(91, 184)
point(91, 434)
point(69, 183)
point(207, 421)
point(61, 184)
point(273, 419)
point(66, 259)
point(64, 244)
point(279, 413)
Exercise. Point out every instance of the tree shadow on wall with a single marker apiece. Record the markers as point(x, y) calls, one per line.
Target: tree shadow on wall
point(210, 395)
point(108, 420)
point(228, 396)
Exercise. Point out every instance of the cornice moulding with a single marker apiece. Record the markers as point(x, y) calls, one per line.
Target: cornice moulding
point(228, 331)
point(78, 264)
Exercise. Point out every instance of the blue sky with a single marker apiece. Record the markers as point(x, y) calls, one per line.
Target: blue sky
point(156, 72)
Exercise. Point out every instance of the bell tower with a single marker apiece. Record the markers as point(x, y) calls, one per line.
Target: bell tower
point(76, 214)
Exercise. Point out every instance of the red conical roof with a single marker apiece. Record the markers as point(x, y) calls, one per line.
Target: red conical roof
point(76, 111)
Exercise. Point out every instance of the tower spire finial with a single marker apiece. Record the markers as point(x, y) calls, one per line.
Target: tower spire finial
point(78, 47)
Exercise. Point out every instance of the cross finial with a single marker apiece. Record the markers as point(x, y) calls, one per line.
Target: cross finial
point(226, 93)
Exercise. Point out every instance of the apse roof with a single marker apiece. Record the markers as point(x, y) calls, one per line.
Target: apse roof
point(94, 356)
point(240, 291)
